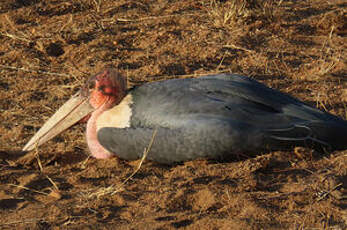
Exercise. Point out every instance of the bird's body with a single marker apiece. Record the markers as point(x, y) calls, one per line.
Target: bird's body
point(216, 116)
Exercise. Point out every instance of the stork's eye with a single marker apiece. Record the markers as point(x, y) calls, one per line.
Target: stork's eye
point(105, 90)
point(102, 88)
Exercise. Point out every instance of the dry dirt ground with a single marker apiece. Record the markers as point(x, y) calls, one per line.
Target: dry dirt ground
point(49, 48)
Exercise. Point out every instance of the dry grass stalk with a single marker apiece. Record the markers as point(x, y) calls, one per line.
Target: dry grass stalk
point(237, 47)
point(111, 190)
point(27, 221)
point(14, 37)
point(29, 189)
point(166, 77)
point(10, 24)
point(38, 158)
point(83, 164)
point(53, 183)
point(325, 194)
point(33, 71)
point(97, 5)
point(54, 192)
point(155, 17)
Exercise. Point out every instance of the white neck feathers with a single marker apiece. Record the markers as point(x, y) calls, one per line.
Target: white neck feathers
point(117, 117)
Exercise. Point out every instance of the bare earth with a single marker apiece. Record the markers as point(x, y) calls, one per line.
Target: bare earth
point(49, 48)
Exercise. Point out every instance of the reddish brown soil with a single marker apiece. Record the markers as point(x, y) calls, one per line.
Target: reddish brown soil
point(49, 48)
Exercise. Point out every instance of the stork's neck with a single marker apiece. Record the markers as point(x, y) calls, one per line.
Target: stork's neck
point(94, 146)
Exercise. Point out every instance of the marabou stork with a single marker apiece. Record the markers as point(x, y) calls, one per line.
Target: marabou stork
point(214, 116)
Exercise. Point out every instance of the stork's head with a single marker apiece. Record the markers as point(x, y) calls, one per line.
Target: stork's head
point(102, 91)
point(108, 88)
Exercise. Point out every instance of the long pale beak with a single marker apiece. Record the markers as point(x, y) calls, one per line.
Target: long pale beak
point(76, 108)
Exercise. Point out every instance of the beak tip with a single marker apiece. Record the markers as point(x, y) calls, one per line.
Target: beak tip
point(30, 145)
point(27, 147)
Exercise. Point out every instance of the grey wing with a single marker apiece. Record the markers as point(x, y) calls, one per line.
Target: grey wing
point(231, 96)
point(205, 137)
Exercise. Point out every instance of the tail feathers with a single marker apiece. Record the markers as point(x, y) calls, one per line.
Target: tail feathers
point(319, 135)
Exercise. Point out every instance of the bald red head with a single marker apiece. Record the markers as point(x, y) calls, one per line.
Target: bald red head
point(109, 88)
